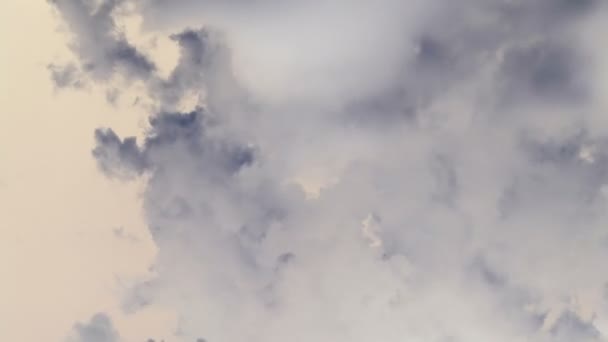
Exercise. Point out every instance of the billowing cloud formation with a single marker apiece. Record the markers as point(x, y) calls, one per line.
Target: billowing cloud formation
point(367, 171)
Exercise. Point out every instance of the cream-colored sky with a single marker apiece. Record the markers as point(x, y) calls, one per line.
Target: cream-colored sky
point(59, 259)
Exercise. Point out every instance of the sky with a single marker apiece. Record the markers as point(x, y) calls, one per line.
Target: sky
point(60, 258)
point(322, 170)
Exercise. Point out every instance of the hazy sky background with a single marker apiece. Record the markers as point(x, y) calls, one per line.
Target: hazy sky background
point(323, 170)
point(60, 259)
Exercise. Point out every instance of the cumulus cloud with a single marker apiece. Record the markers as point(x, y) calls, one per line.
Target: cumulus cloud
point(366, 171)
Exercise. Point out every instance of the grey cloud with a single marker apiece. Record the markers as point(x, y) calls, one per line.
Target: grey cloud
point(570, 327)
point(116, 157)
point(97, 41)
point(523, 53)
point(104, 52)
point(67, 76)
point(187, 74)
point(112, 96)
point(543, 69)
point(170, 133)
point(203, 71)
point(98, 329)
point(454, 202)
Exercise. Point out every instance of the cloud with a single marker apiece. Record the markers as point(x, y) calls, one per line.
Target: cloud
point(118, 157)
point(170, 133)
point(97, 41)
point(352, 48)
point(67, 76)
point(569, 327)
point(98, 329)
point(356, 171)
